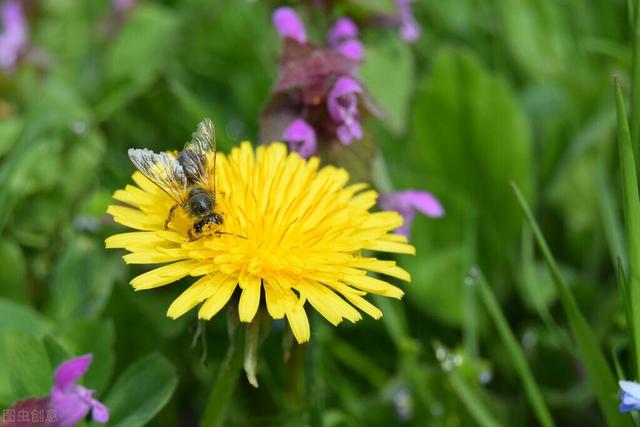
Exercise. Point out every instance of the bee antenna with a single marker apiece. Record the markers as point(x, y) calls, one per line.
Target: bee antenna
point(231, 234)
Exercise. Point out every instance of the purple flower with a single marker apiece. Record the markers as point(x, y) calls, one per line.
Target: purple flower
point(315, 80)
point(301, 138)
point(343, 29)
point(343, 38)
point(13, 39)
point(351, 49)
point(409, 28)
point(289, 25)
point(629, 396)
point(72, 401)
point(407, 203)
point(342, 103)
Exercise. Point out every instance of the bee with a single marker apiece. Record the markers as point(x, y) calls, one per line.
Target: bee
point(187, 178)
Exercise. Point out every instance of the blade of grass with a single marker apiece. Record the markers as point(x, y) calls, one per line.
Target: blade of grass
point(628, 309)
point(635, 77)
point(470, 299)
point(472, 401)
point(631, 208)
point(358, 362)
point(615, 356)
point(601, 379)
point(529, 282)
point(613, 227)
point(469, 394)
point(515, 352)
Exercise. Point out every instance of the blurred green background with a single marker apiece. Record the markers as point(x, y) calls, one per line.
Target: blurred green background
point(493, 91)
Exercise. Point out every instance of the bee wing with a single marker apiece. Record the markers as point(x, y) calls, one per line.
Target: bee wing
point(163, 170)
point(198, 156)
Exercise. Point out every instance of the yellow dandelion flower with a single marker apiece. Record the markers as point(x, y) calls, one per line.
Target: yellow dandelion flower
point(293, 233)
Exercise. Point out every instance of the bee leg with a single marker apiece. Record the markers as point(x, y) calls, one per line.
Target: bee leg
point(195, 232)
point(197, 238)
point(193, 237)
point(170, 217)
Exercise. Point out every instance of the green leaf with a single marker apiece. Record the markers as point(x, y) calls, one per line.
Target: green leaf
point(601, 379)
point(34, 164)
point(470, 138)
point(81, 162)
point(534, 34)
point(141, 47)
point(68, 28)
point(137, 56)
point(38, 218)
point(10, 128)
point(573, 193)
point(141, 391)
point(13, 274)
point(96, 337)
point(57, 352)
point(438, 282)
point(18, 317)
point(631, 207)
point(25, 367)
point(388, 75)
point(83, 280)
point(515, 352)
point(14, 171)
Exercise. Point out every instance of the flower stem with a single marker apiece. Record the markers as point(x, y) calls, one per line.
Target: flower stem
point(223, 388)
point(296, 376)
point(315, 385)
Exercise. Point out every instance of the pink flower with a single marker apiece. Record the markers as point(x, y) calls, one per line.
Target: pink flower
point(343, 38)
point(301, 137)
point(72, 401)
point(313, 81)
point(69, 402)
point(289, 25)
point(343, 29)
point(351, 49)
point(409, 28)
point(342, 103)
point(13, 39)
point(409, 202)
